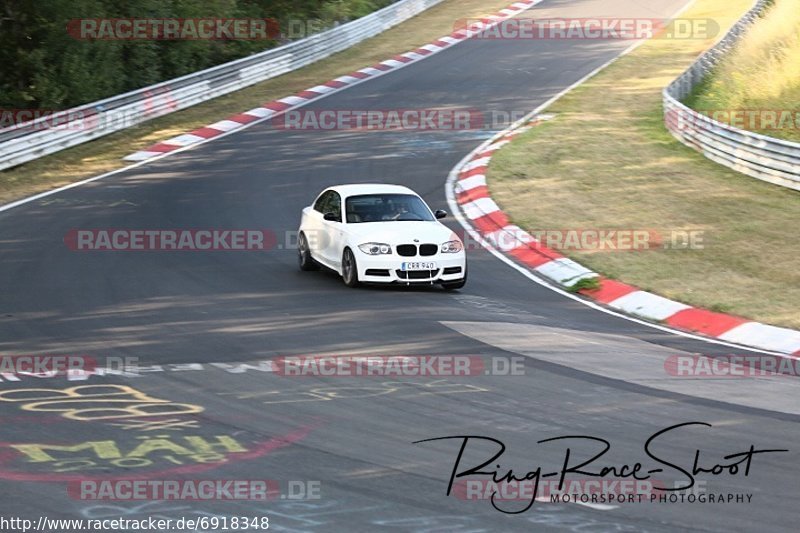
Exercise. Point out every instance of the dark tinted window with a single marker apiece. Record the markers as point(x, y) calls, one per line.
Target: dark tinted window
point(319, 205)
point(334, 204)
point(329, 202)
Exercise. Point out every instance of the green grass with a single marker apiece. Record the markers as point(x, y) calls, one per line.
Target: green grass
point(762, 73)
point(607, 162)
point(586, 283)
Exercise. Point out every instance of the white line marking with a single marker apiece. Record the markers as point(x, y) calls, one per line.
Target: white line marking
point(260, 112)
point(292, 100)
point(370, 71)
point(479, 208)
point(224, 125)
point(431, 48)
point(184, 140)
point(479, 180)
point(321, 89)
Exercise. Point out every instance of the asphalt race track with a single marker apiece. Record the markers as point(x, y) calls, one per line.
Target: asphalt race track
point(200, 315)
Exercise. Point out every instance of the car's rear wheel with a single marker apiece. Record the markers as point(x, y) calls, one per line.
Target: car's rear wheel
point(349, 268)
point(304, 258)
point(455, 285)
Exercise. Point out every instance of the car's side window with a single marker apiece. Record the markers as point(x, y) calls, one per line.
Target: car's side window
point(334, 204)
point(320, 204)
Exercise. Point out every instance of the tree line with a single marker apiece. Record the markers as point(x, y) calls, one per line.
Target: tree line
point(45, 65)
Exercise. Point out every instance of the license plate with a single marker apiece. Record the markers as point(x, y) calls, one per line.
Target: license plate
point(418, 266)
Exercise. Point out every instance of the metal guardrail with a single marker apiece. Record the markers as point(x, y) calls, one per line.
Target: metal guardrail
point(43, 136)
point(766, 158)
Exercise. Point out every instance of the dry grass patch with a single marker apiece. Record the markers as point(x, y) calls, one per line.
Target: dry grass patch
point(762, 73)
point(606, 161)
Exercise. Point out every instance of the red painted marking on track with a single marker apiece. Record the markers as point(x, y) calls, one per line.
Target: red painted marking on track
point(308, 95)
point(609, 291)
point(491, 222)
point(206, 133)
point(277, 106)
point(243, 118)
point(704, 321)
point(481, 191)
point(533, 257)
point(474, 172)
point(162, 147)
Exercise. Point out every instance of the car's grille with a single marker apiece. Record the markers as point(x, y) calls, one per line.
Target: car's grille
point(407, 250)
point(417, 274)
point(451, 270)
point(428, 249)
point(377, 272)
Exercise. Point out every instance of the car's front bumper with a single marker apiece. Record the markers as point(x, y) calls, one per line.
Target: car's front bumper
point(388, 268)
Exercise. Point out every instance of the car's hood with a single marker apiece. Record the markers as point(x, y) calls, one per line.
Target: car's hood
point(401, 232)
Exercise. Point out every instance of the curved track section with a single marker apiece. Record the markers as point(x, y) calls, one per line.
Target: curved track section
point(197, 317)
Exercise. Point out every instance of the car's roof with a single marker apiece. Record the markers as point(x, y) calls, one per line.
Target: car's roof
point(370, 188)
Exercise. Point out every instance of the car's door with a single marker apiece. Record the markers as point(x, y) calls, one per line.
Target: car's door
point(333, 230)
point(313, 228)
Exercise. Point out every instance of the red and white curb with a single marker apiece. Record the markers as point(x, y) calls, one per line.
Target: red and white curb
point(482, 215)
point(276, 107)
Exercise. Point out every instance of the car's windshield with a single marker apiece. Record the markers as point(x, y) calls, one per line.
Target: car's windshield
point(386, 207)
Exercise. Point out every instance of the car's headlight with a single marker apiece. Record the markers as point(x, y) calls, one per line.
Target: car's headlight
point(375, 248)
point(452, 247)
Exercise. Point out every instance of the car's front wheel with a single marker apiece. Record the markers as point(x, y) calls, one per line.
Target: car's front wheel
point(304, 258)
point(349, 268)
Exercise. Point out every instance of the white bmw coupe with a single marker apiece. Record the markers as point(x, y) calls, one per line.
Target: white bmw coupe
point(380, 234)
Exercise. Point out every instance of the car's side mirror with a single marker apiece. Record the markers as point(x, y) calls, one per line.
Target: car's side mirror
point(332, 217)
point(440, 213)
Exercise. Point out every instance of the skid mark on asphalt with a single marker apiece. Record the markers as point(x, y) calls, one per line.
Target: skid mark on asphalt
point(398, 389)
point(492, 307)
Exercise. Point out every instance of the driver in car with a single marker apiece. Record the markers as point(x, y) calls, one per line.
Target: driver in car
point(396, 210)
